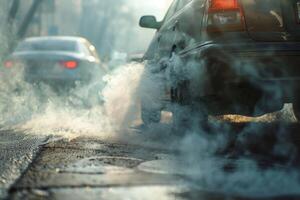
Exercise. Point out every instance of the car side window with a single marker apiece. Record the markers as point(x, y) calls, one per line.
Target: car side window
point(171, 10)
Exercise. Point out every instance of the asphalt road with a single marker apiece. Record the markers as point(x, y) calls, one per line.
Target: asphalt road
point(232, 158)
point(16, 152)
point(150, 163)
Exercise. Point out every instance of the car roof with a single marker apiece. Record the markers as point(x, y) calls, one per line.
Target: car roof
point(55, 38)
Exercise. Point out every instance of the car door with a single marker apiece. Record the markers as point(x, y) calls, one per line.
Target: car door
point(167, 32)
point(182, 21)
point(189, 24)
point(158, 46)
point(188, 29)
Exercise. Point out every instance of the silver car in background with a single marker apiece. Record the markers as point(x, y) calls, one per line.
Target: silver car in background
point(58, 61)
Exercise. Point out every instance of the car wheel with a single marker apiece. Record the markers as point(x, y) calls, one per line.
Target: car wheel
point(186, 113)
point(189, 117)
point(150, 115)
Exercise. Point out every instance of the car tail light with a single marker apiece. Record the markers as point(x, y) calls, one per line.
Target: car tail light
point(8, 64)
point(225, 15)
point(71, 64)
point(218, 5)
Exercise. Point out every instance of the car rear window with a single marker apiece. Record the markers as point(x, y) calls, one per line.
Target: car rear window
point(53, 45)
point(263, 15)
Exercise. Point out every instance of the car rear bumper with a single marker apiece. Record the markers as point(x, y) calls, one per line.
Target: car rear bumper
point(263, 65)
point(237, 75)
point(283, 88)
point(56, 82)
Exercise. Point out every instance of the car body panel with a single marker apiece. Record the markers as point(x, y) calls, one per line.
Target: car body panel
point(271, 20)
point(42, 58)
point(261, 60)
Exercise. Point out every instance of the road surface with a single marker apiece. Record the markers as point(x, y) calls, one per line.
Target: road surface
point(151, 163)
point(16, 152)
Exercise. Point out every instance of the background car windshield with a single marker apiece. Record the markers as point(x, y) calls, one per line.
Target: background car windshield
point(56, 45)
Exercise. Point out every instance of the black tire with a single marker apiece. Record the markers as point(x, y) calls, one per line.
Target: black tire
point(186, 113)
point(189, 117)
point(150, 115)
point(181, 117)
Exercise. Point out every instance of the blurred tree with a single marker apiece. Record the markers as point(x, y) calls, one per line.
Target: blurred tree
point(28, 18)
point(13, 11)
point(67, 16)
point(17, 22)
point(106, 23)
point(8, 11)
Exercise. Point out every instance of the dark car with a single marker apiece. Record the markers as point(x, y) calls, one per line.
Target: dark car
point(57, 61)
point(225, 57)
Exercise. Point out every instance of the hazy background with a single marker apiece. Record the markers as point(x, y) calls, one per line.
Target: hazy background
point(112, 25)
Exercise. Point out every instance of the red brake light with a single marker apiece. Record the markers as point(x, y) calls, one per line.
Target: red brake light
point(8, 64)
point(225, 15)
point(70, 64)
point(221, 5)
